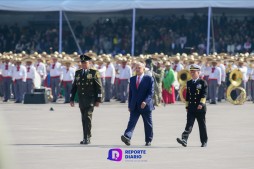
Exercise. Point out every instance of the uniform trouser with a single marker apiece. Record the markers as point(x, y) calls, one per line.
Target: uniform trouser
point(206, 79)
point(248, 89)
point(108, 89)
point(252, 89)
point(158, 94)
point(67, 91)
point(86, 117)
point(7, 88)
point(1, 87)
point(116, 91)
point(19, 90)
point(103, 87)
point(55, 87)
point(147, 118)
point(221, 91)
point(193, 114)
point(124, 90)
point(28, 86)
point(213, 89)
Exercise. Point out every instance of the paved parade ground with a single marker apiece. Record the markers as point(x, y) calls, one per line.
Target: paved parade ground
point(44, 139)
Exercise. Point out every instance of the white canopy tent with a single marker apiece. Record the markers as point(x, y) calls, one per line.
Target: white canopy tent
point(118, 5)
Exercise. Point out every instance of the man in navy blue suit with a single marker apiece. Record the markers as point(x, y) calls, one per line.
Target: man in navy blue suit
point(141, 90)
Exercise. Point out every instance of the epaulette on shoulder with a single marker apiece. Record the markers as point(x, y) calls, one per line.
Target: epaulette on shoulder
point(94, 69)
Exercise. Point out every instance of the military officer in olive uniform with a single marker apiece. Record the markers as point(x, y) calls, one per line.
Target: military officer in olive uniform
point(87, 84)
point(195, 106)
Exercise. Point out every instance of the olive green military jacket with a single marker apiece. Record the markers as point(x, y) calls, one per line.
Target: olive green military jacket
point(88, 87)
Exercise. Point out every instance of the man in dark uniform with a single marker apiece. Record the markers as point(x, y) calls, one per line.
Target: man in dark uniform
point(195, 106)
point(87, 84)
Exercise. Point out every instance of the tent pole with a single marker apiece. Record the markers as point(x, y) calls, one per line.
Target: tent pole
point(208, 31)
point(73, 34)
point(133, 32)
point(60, 30)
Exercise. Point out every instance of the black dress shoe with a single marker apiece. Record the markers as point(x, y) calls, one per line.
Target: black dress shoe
point(148, 143)
point(204, 145)
point(123, 102)
point(5, 100)
point(183, 142)
point(66, 102)
point(17, 101)
point(125, 140)
point(85, 141)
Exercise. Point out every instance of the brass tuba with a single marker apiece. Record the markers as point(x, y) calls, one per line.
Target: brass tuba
point(235, 78)
point(183, 76)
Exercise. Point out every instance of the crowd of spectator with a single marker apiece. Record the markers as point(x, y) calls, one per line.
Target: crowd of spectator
point(168, 34)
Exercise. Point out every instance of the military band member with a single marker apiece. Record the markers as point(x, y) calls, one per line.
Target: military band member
point(55, 73)
point(109, 79)
point(195, 107)
point(214, 81)
point(158, 74)
point(29, 84)
point(87, 84)
point(19, 79)
point(68, 78)
point(221, 89)
point(102, 69)
point(243, 69)
point(124, 76)
point(7, 71)
point(251, 81)
point(41, 69)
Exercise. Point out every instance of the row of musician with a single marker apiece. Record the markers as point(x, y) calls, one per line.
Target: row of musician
point(227, 79)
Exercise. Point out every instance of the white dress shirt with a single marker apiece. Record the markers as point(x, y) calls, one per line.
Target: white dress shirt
point(30, 72)
point(68, 74)
point(244, 69)
point(216, 74)
point(41, 69)
point(19, 74)
point(7, 70)
point(125, 73)
point(55, 69)
point(110, 72)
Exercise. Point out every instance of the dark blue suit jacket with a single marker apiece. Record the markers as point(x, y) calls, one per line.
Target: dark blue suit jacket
point(144, 93)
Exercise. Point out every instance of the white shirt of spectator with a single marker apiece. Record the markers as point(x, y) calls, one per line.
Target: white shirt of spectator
point(41, 69)
point(7, 73)
point(21, 74)
point(68, 74)
point(125, 73)
point(216, 74)
point(55, 69)
point(30, 72)
point(110, 72)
